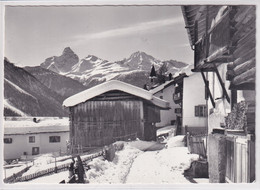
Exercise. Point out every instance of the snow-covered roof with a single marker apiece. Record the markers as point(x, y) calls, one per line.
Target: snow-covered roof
point(26, 125)
point(161, 87)
point(114, 85)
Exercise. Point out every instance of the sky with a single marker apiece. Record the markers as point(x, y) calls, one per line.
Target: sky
point(113, 33)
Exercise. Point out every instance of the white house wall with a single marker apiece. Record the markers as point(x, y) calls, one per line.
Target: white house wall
point(167, 115)
point(193, 95)
point(20, 144)
point(222, 107)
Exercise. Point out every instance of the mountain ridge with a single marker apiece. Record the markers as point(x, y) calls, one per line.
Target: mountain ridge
point(93, 70)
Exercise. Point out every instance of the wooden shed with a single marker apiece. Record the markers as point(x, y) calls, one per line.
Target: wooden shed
point(110, 112)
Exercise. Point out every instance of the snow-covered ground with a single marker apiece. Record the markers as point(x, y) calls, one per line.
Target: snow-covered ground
point(135, 163)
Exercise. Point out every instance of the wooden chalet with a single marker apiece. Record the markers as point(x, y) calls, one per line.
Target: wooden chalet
point(224, 42)
point(110, 112)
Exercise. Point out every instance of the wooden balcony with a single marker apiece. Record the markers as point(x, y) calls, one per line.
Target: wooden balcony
point(214, 45)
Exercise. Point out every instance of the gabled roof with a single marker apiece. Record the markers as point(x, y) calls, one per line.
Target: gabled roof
point(162, 86)
point(111, 86)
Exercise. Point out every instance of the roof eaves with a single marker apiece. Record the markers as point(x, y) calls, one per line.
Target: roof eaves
point(105, 87)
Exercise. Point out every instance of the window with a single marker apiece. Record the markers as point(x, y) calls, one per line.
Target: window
point(54, 139)
point(8, 140)
point(178, 110)
point(200, 111)
point(31, 139)
point(35, 150)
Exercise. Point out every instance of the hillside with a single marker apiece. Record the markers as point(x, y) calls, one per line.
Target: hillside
point(26, 95)
point(62, 85)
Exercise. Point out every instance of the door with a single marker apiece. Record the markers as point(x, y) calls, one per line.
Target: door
point(35, 150)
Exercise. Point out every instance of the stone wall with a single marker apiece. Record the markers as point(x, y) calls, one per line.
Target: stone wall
point(217, 158)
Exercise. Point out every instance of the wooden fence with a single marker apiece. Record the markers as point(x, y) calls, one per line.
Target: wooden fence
point(197, 144)
point(13, 177)
point(49, 171)
point(240, 165)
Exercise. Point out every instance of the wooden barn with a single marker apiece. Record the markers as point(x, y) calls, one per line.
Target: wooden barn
point(110, 112)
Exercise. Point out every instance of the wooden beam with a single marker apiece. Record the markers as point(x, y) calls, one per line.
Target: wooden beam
point(245, 86)
point(216, 54)
point(206, 32)
point(244, 49)
point(233, 97)
point(246, 77)
point(242, 29)
point(244, 66)
point(199, 13)
point(248, 37)
point(246, 56)
point(222, 84)
point(207, 87)
point(243, 14)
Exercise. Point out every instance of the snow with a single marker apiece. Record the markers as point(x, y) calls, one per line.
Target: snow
point(114, 85)
point(170, 130)
point(131, 165)
point(23, 125)
point(186, 70)
point(10, 170)
point(103, 171)
point(162, 86)
point(177, 141)
point(8, 105)
point(164, 166)
point(51, 179)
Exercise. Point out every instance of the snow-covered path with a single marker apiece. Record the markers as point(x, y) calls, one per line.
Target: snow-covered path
point(164, 166)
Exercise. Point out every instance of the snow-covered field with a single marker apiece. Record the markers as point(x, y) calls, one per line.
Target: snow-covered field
point(133, 164)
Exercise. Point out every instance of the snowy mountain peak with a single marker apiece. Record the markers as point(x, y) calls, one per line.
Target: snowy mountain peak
point(63, 63)
point(142, 61)
point(140, 54)
point(67, 50)
point(94, 59)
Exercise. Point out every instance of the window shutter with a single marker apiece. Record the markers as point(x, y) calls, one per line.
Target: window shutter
point(196, 111)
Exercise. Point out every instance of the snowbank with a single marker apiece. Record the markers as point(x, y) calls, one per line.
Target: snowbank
point(165, 166)
point(103, 171)
point(141, 145)
point(9, 171)
point(176, 141)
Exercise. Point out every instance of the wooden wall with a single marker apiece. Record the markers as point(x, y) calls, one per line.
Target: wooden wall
point(99, 123)
point(242, 72)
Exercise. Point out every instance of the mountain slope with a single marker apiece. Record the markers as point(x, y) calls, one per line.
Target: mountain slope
point(25, 95)
point(62, 85)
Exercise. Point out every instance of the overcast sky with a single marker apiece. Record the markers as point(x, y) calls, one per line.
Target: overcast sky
point(33, 34)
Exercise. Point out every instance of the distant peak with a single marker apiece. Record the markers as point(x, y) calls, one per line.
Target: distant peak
point(68, 50)
point(139, 54)
point(92, 58)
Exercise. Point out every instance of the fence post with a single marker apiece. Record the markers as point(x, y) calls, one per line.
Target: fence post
point(55, 165)
point(188, 140)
